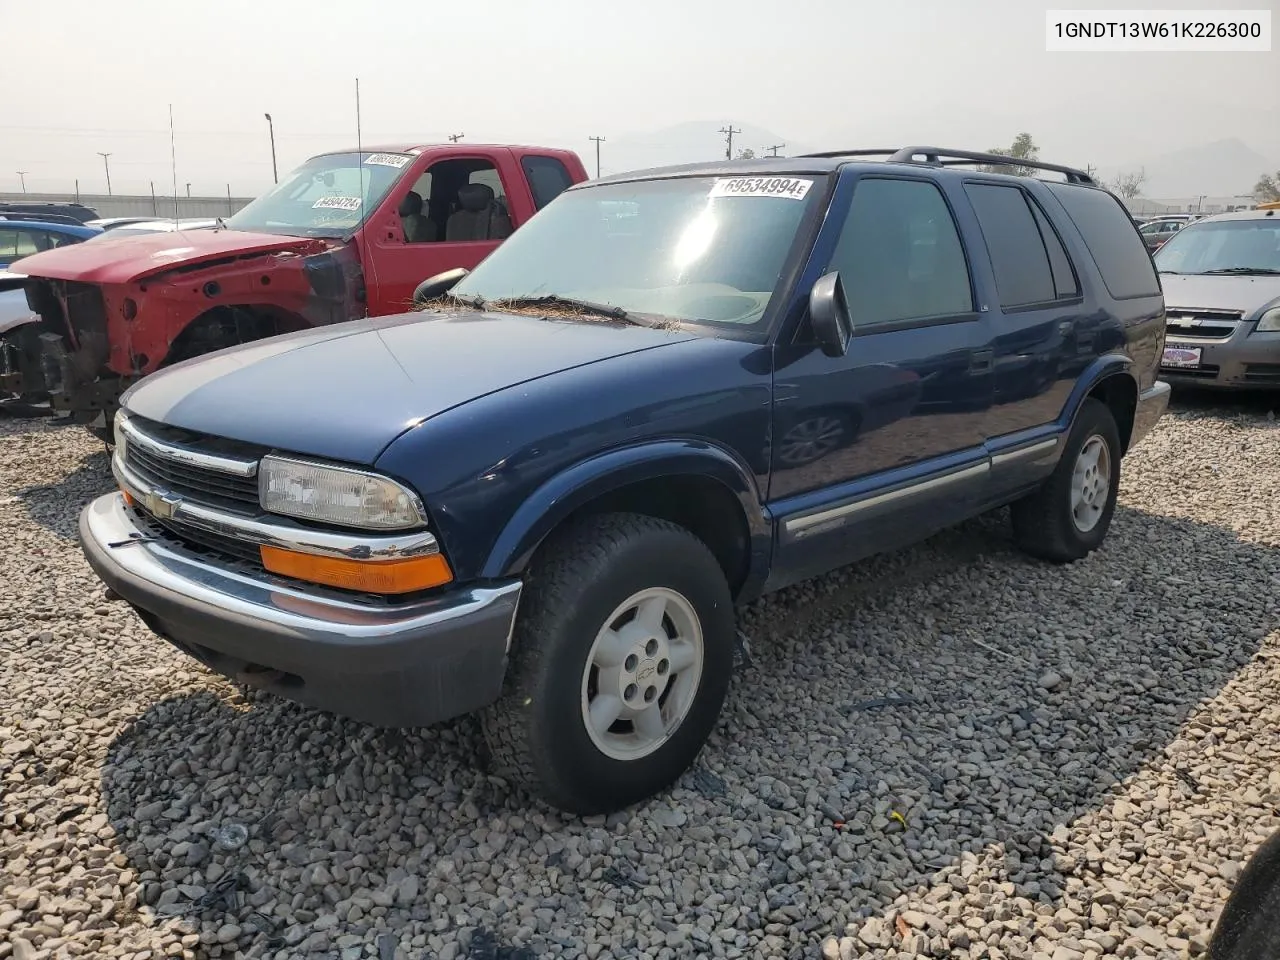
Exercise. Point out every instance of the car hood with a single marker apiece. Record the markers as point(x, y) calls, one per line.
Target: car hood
point(124, 259)
point(1220, 292)
point(346, 391)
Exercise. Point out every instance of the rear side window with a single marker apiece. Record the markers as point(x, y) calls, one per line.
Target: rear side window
point(1064, 277)
point(548, 178)
point(1116, 248)
point(1018, 255)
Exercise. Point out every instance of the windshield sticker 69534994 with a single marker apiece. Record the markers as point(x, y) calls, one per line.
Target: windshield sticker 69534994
point(386, 160)
point(793, 188)
point(337, 203)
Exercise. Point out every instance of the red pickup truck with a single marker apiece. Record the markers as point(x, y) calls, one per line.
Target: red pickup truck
point(346, 235)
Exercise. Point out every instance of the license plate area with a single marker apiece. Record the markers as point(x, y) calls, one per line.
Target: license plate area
point(1181, 357)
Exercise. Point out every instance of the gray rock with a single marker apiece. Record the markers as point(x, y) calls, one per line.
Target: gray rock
point(1050, 680)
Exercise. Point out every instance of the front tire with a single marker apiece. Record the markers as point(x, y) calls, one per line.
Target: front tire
point(1067, 518)
point(620, 664)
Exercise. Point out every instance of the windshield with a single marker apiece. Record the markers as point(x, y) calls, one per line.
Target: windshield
point(1223, 245)
point(702, 249)
point(325, 196)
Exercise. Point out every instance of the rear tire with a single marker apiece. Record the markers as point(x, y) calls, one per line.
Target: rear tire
point(624, 616)
point(1067, 518)
point(1249, 926)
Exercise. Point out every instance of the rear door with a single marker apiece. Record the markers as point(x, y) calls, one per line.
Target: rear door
point(874, 447)
point(404, 253)
point(1039, 319)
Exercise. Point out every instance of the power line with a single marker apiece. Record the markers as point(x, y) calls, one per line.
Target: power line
point(598, 141)
point(728, 136)
point(773, 150)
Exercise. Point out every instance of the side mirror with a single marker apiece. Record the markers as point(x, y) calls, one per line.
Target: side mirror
point(829, 315)
point(441, 283)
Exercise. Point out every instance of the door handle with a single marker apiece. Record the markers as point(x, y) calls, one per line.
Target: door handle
point(982, 361)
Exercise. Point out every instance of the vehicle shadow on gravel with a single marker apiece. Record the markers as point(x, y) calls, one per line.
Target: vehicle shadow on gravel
point(893, 719)
point(57, 506)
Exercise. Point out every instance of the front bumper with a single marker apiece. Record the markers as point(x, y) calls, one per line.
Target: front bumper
point(402, 665)
point(1245, 361)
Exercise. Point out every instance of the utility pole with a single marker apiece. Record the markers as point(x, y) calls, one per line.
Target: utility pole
point(598, 141)
point(728, 136)
point(22, 175)
point(188, 191)
point(455, 137)
point(271, 127)
point(106, 166)
point(773, 150)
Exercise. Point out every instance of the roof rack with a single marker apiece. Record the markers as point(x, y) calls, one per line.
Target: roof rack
point(944, 157)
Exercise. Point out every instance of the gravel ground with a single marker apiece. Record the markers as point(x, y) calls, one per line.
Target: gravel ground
point(951, 751)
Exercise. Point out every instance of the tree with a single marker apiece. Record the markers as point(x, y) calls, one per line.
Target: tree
point(1267, 189)
point(747, 154)
point(1022, 148)
point(1129, 185)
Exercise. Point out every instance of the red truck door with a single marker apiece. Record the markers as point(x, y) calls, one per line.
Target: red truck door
point(453, 209)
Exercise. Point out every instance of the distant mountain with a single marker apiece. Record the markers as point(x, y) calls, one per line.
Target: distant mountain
point(1223, 168)
point(688, 142)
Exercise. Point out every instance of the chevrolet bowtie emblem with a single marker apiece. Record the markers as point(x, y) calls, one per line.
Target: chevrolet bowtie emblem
point(163, 505)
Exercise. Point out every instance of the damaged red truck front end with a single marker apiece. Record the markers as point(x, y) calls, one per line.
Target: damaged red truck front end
point(118, 311)
point(346, 235)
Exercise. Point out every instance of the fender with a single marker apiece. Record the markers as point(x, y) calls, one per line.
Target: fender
point(570, 489)
point(1103, 367)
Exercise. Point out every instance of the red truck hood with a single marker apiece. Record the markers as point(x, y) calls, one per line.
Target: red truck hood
point(125, 259)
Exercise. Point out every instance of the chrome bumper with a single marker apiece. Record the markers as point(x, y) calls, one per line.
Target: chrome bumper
point(1152, 404)
point(395, 665)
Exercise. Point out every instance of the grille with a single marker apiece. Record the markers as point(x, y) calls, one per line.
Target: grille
point(1201, 324)
point(202, 542)
point(209, 487)
point(1262, 372)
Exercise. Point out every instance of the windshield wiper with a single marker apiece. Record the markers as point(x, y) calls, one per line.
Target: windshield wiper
point(1240, 271)
point(553, 299)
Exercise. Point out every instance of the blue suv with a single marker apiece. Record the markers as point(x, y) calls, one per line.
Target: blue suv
point(541, 495)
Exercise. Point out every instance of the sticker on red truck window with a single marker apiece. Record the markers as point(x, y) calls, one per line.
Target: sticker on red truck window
point(337, 203)
point(793, 188)
point(387, 160)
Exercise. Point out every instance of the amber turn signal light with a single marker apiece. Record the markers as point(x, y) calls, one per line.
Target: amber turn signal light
point(128, 497)
point(368, 576)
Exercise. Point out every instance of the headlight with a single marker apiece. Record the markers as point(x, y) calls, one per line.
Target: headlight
point(349, 498)
point(118, 435)
point(1269, 322)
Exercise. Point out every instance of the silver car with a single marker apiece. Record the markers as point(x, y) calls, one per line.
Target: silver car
point(1221, 279)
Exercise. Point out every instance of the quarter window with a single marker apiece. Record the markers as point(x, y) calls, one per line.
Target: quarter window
point(1114, 244)
point(899, 254)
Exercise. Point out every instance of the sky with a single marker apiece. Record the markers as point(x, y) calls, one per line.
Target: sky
point(84, 76)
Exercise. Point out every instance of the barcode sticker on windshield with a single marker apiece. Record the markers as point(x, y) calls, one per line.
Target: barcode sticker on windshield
point(387, 160)
point(337, 203)
point(790, 187)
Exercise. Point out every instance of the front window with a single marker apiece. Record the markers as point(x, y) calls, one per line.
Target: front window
point(1224, 246)
point(325, 197)
point(701, 249)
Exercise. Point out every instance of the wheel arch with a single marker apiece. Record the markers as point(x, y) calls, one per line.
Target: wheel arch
point(228, 325)
point(1109, 379)
point(696, 484)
